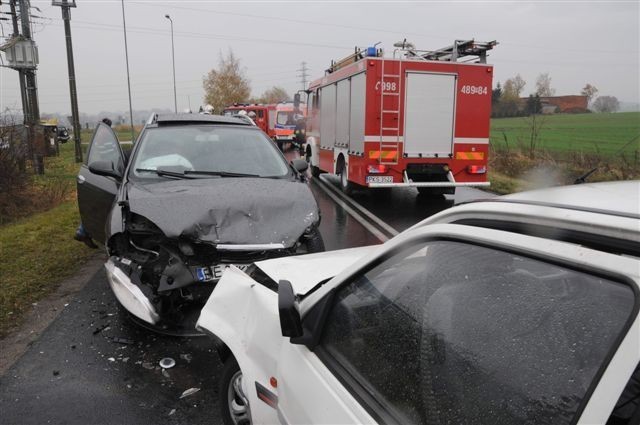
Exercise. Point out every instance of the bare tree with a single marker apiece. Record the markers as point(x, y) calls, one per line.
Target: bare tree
point(543, 85)
point(589, 91)
point(274, 95)
point(606, 104)
point(535, 123)
point(226, 85)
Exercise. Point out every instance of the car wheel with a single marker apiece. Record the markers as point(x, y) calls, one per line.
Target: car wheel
point(314, 242)
point(233, 402)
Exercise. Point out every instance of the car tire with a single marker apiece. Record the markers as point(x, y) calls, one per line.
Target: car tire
point(234, 405)
point(314, 242)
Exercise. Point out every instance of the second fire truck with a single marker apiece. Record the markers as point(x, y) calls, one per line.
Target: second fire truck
point(418, 119)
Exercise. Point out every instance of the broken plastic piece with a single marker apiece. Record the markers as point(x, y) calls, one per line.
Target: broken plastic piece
point(100, 328)
point(123, 341)
point(189, 392)
point(167, 363)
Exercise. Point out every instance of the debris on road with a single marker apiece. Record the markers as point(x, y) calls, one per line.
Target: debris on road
point(148, 365)
point(101, 328)
point(56, 372)
point(111, 359)
point(186, 357)
point(167, 363)
point(172, 412)
point(189, 392)
point(125, 341)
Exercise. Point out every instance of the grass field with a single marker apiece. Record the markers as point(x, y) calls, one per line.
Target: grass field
point(602, 134)
point(38, 251)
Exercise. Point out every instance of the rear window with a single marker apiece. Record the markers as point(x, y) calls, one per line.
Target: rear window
point(450, 333)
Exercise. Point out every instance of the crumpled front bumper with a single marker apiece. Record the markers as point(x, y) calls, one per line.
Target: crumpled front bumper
point(129, 295)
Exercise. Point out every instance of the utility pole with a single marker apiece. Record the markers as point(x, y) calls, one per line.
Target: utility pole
point(303, 75)
point(173, 59)
point(23, 91)
point(30, 73)
point(126, 55)
point(66, 17)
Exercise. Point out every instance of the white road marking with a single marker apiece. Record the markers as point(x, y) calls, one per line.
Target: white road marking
point(377, 233)
point(362, 209)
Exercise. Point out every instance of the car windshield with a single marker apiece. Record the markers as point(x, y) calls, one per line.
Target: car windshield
point(207, 150)
point(285, 118)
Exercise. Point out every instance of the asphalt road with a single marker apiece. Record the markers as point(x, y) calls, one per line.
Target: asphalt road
point(92, 365)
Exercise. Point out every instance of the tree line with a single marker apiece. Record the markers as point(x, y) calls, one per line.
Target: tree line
point(506, 98)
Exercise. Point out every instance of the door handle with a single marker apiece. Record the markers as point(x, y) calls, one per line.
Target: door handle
point(80, 179)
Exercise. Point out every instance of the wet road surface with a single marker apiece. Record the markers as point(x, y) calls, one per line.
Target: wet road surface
point(92, 365)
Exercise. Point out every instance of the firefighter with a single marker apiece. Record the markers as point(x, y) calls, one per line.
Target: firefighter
point(299, 133)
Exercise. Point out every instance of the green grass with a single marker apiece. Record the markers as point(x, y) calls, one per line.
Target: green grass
point(602, 134)
point(38, 251)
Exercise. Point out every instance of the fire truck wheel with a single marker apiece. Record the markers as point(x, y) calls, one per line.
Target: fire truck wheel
point(315, 171)
point(346, 186)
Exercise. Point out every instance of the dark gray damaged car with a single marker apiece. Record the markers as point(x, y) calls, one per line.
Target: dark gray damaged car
point(197, 194)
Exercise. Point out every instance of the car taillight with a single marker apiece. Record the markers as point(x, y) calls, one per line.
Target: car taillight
point(377, 169)
point(476, 169)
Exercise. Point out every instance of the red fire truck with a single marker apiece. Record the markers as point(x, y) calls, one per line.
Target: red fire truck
point(265, 115)
point(419, 119)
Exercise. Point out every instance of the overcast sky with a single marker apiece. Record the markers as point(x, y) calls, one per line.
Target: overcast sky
point(576, 42)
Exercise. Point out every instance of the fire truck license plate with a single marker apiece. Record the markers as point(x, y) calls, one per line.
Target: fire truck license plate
point(379, 179)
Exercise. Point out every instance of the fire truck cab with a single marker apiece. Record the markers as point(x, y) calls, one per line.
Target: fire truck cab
point(265, 115)
point(418, 119)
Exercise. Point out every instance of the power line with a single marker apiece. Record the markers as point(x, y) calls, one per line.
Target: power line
point(376, 30)
point(96, 26)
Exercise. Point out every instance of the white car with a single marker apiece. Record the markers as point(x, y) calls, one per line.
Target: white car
point(521, 309)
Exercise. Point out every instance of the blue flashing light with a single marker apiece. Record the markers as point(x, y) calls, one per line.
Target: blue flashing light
point(371, 51)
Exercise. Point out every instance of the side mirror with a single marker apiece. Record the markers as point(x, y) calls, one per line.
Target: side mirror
point(300, 165)
point(290, 322)
point(296, 101)
point(105, 168)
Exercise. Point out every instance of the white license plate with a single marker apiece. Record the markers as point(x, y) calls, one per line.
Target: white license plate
point(379, 179)
point(214, 273)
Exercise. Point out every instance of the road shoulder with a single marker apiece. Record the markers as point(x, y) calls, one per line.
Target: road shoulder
point(44, 312)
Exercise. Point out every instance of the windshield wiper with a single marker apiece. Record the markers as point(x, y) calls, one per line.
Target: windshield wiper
point(163, 173)
point(220, 173)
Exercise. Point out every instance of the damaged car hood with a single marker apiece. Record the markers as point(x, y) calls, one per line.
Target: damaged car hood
point(306, 271)
point(227, 210)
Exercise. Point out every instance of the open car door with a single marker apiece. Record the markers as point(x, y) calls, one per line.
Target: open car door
point(96, 193)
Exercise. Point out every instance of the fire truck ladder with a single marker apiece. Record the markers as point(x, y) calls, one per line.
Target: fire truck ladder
point(390, 146)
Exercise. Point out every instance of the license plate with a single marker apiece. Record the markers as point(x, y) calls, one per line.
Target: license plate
point(213, 273)
point(379, 179)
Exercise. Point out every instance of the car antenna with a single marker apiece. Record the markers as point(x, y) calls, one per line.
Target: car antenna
point(583, 178)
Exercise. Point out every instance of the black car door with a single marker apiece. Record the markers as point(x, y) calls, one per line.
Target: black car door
point(96, 193)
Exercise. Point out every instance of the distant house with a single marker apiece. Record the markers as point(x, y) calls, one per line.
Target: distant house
point(560, 104)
